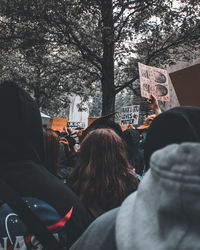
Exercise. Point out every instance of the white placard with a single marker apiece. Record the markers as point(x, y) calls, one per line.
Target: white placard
point(154, 81)
point(130, 115)
point(79, 125)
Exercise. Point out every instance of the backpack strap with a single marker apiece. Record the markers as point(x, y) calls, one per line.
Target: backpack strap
point(33, 223)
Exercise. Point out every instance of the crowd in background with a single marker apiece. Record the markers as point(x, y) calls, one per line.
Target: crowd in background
point(142, 184)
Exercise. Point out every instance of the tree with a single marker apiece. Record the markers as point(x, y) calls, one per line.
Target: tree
point(39, 77)
point(28, 61)
point(95, 105)
point(103, 40)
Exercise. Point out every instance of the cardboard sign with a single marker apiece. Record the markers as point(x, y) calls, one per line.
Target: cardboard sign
point(186, 83)
point(58, 123)
point(79, 125)
point(154, 81)
point(130, 115)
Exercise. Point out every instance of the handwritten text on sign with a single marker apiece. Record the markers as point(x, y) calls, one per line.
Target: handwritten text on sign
point(130, 115)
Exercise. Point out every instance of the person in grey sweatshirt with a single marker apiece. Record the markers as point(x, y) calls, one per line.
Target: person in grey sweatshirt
point(163, 214)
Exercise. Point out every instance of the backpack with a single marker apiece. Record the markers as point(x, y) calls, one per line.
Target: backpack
point(29, 223)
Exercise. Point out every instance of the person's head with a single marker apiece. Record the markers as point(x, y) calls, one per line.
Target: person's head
point(131, 137)
point(180, 124)
point(52, 150)
point(58, 133)
point(105, 123)
point(21, 136)
point(102, 170)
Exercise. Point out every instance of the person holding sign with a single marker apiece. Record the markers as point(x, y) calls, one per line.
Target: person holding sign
point(153, 104)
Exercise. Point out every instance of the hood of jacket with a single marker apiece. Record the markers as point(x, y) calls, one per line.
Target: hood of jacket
point(135, 155)
point(132, 138)
point(21, 136)
point(164, 213)
point(177, 125)
point(22, 157)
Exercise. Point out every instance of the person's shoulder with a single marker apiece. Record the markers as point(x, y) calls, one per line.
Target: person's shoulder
point(13, 231)
point(100, 234)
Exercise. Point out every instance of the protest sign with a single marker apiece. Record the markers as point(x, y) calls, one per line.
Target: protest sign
point(130, 115)
point(186, 83)
point(154, 81)
point(58, 123)
point(76, 125)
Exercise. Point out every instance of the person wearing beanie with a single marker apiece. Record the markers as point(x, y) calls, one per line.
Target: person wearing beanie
point(180, 124)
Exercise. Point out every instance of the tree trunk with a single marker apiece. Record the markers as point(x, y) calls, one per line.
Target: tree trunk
point(108, 98)
point(37, 95)
point(107, 81)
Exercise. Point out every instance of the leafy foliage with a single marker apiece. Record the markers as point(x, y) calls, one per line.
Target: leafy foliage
point(59, 47)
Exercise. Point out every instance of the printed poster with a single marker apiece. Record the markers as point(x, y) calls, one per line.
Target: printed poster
point(130, 115)
point(154, 81)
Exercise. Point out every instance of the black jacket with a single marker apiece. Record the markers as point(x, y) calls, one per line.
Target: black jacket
point(22, 159)
point(177, 125)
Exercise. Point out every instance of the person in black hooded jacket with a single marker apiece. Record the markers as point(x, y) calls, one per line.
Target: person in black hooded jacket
point(135, 154)
point(22, 166)
point(177, 125)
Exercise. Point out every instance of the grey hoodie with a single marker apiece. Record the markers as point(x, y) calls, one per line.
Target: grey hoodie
point(163, 214)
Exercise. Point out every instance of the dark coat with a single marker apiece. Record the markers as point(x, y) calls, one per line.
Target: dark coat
point(180, 124)
point(135, 154)
point(22, 159)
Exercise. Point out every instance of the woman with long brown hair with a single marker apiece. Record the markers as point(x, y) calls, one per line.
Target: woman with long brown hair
point(102, 177)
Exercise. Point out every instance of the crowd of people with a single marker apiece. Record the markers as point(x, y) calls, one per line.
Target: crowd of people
point(122, 190)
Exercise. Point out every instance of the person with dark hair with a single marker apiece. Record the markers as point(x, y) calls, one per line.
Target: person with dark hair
point(52, 150)
point(180, 124)
point(57, 132)
point(68, 156)
point(135, 154)
point(163, 214)
point(22, 171)
point(104, 122)
point(153, 104)
point(102, 177)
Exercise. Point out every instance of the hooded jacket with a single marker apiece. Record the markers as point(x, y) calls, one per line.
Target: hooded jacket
point(180, 124)
point(135, 154)
point(22, 160)
point(163, 214)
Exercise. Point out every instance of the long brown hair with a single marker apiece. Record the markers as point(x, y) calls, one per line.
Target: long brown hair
point(52, 150)
point(102, 171)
